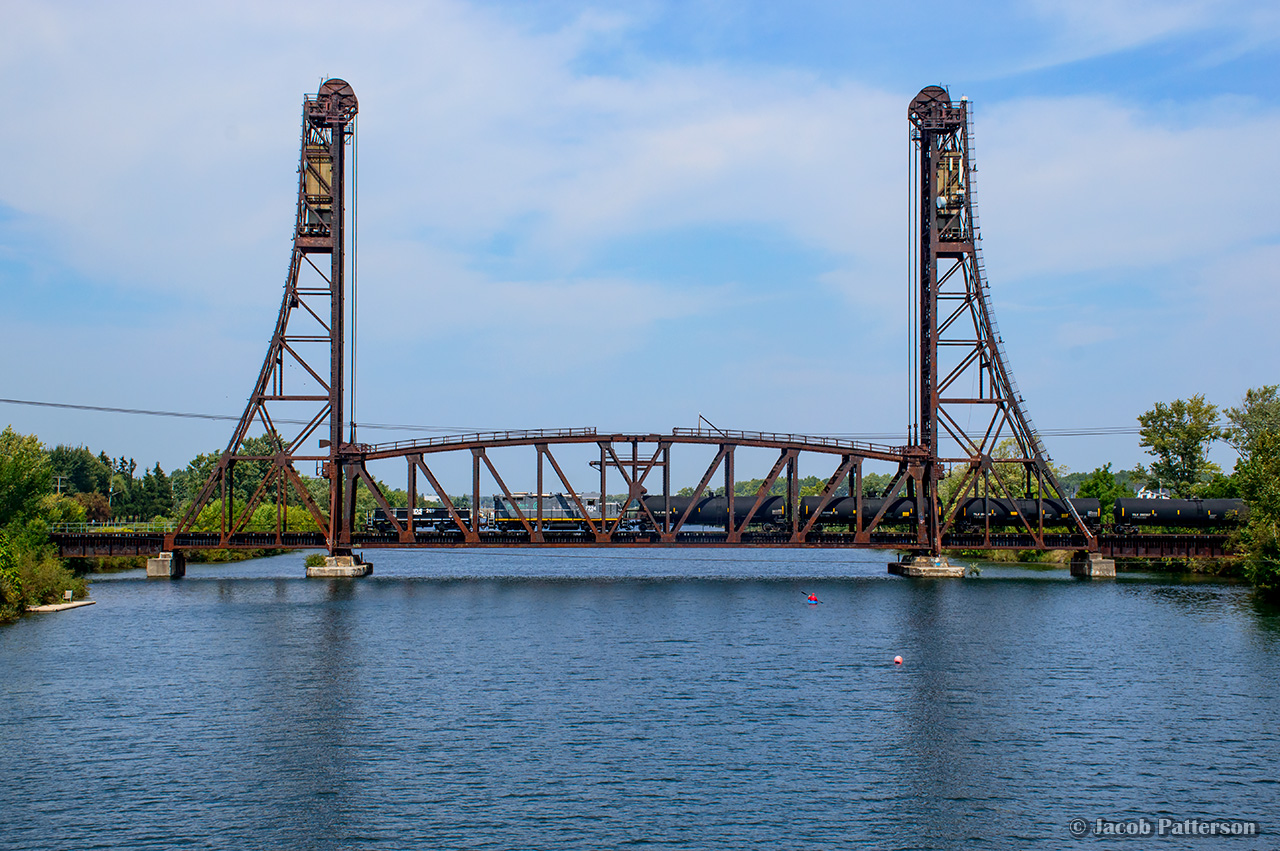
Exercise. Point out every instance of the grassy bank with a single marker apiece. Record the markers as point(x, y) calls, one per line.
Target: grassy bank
point(1226, 567)
point(1058, 557)
point(34, 577)
point(118, 564)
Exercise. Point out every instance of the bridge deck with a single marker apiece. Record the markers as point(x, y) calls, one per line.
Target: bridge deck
point(1124, 546)
point(531, 437)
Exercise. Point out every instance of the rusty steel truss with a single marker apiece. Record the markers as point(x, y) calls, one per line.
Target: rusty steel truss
point(962, 371)
point(307, 346)
point(969, 406)
point(644, 454)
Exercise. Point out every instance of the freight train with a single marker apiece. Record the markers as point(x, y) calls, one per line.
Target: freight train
point(899, 511)
point(561, 512)
point(1130, 514)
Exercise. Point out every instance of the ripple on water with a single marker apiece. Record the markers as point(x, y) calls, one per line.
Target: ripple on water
point(672, 699)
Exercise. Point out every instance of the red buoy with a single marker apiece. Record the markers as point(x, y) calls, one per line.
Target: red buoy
point(897, 660)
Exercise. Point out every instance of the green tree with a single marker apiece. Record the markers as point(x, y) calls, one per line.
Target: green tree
point(95, 506)
point(24, 475)
point(12, 596)
point(1220, 487)
point(247, 475)
point(1101, 485)
point(1178, 436)
point(30, 571)
point(188, 481)
point(84, 472)
point(1134, 479)
point(156, 494)
point(875, 484)
point(1007, 475)
point(1071, 482)
point(1259, 412)
point(1254, 432)
point(806, 486)
point(123, 493)
point(264, 518)
point(366, 504)
point(1258, 474)
point(59, 508)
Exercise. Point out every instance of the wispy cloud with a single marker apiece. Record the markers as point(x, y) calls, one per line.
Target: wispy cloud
point(1086, 29)
point(1075, 185)
point(502, 166)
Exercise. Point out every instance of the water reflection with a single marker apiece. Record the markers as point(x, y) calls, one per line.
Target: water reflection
point(1266, 614)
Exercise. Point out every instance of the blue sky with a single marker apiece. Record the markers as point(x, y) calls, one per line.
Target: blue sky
point(627, 214)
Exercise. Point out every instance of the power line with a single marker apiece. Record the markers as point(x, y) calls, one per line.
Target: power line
point(1091, 432)
point(1080, 431)
point(224, 417)
point(109, 410)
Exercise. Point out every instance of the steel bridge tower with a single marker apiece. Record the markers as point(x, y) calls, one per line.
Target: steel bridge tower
point(307, 347)
point(970, 421)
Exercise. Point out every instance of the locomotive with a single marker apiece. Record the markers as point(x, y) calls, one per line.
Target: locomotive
point(424, 519)
point(559, 511)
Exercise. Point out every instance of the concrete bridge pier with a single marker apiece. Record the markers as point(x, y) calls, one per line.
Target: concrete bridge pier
point(168, 565)
point(1085, 565)
point(340, 567)
point(926, 567)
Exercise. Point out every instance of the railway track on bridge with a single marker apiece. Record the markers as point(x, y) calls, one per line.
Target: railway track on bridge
point(103, 544)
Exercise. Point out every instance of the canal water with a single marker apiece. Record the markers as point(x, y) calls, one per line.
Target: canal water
point(659, 699)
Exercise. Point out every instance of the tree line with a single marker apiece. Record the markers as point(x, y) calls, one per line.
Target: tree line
point(110, 489)
point(1178, 436)
point(41, 488)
